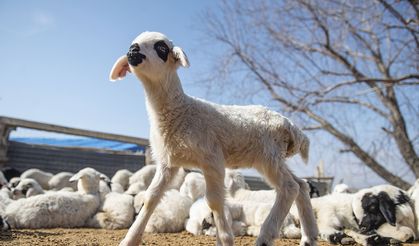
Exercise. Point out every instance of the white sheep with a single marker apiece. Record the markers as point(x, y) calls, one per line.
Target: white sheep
point(115, 212)
point(169, 215)
point(13, 182)
point(58, 209)
point(3, 180)
point(40, 176)
point(193, 186)
point(141, 179)
point(27, 187)
point(341, 188)
point(122, 177)
point(144, 175)
point(61, 180)
point(237, 189)
point(190, 132)
point(380, 212)
point(200, 221)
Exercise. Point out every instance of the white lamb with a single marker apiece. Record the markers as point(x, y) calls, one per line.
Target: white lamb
point(122, 177)
point(237, 189)
point(193, 186)
point(61, 180)
point(382, 213)
point(201, 222)
point(40, 176)
point(170, 214)
point(193, 133)
point(58, 209)
point(115, 212)
point(27, 187)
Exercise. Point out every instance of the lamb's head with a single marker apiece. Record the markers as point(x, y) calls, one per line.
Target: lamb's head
point(26, 188)
point(234, 181)
point(378, 205)
point(87, 180)
point(151, 57)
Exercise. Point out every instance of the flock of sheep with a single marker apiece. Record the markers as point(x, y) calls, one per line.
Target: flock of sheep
point(378, 215)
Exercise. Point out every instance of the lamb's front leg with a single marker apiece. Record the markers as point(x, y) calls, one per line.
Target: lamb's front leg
point(161, 179)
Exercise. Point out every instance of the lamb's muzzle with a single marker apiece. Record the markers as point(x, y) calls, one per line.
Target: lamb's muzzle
point(134, 55)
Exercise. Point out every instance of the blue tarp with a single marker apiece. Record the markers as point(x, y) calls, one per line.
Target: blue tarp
point(81, 142)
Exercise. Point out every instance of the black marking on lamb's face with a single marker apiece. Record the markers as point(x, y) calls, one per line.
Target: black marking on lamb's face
point(402, 198)
point(378, 209)
point(134, 55)
point(162, 50)
point(205, 224)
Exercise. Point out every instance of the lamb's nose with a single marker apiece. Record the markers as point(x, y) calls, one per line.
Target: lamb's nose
point(134, 55)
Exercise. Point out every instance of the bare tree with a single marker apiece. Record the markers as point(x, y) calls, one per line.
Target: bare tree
point(349, 68)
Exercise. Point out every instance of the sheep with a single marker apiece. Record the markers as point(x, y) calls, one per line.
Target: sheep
point(115, 212)
point(27, 187)
point(381, 212)
point(3, 180)
point(58, 209)
point(122, 177)
point(193, 186)
point(169, 215)
point(233, 136)
point(141, 179)
point(144, 175)
point(341, 188)
point(238, 189)
point(13, 182)
point(40, 176)
point(413, 193)
point(200, 221)
point(61, 180)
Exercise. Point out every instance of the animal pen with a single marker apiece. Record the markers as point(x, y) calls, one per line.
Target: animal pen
point(54, 159)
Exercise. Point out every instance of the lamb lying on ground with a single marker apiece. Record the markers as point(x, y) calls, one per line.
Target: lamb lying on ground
point(40, 176)
point(382, 213)
point(58, 209)
point(193, 186)
point(170, 214)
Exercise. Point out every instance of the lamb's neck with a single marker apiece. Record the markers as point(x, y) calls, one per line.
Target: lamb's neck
point(164, 95)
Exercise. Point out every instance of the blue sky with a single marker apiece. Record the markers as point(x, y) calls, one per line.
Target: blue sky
point(56, 57)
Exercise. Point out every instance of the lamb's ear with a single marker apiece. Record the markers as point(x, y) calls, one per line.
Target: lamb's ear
point(119, 69)
point(75, 178)
point(387, 208)
point(180, 56)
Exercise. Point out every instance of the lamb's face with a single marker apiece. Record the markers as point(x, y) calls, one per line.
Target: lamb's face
point(378, 205)
point(26, 188)
point(150, 56)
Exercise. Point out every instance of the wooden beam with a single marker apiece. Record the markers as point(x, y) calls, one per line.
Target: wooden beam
point(13, 123)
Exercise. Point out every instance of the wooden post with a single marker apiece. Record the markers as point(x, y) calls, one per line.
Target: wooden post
point(4, 142)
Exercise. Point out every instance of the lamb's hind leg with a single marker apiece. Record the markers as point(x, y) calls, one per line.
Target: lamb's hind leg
point(287, 189)
point(309, 228)
point(161, 179)
point(214, 179)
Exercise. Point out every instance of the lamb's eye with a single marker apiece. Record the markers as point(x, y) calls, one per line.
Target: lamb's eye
point(162, 50)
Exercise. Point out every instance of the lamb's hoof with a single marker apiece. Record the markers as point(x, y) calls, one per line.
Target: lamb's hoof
point(261, 242)
point(308, 242)
point(341, 238)
point(377, 240)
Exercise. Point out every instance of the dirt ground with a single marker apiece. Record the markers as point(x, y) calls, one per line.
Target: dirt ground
point(98, 237)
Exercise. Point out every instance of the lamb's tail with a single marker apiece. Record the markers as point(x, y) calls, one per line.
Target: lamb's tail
point(305, 148)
